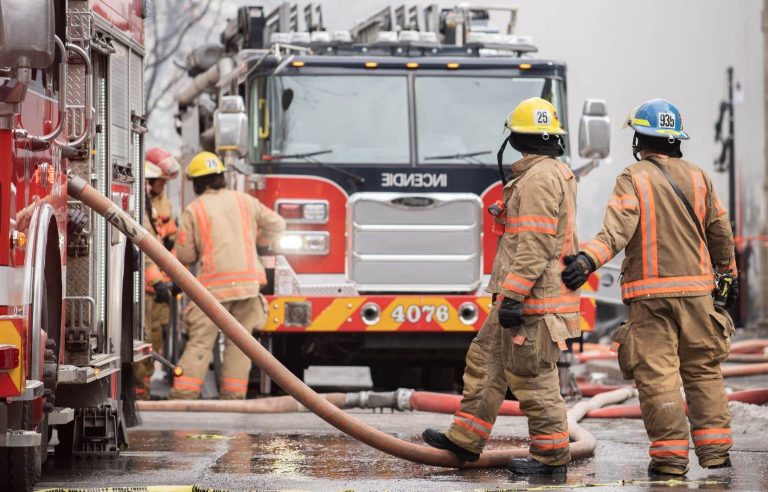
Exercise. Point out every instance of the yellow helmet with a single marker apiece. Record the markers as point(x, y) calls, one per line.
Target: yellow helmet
point(534, 115)
point(203, 164)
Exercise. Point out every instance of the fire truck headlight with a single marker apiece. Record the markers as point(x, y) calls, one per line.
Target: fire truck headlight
point(290, 243)
point(305, 243)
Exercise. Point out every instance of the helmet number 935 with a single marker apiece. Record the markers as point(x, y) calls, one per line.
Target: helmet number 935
point(542, 117)
point(666, 120)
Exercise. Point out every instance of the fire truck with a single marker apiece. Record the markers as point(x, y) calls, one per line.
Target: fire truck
point(378, 146)
point(71, 101)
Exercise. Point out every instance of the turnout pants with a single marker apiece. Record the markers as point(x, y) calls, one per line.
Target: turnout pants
point(197, 353)
point(663, 341)
point(156, 319)
point(523, 358)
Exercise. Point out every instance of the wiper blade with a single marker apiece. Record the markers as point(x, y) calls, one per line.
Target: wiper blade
point(466, 155)
point(356, 179)
point(304, 155)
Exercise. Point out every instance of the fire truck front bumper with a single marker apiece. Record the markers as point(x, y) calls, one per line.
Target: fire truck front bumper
point(377, 313)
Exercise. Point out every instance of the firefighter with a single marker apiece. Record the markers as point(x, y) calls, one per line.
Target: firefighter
point(665, 214)
point(159, 168)
point(219, 234)
point(533, 313)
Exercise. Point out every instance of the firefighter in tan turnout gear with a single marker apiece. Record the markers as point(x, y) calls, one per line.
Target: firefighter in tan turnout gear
point(534, 313)
point(159, 168)
point(666, 215)
point(219, 233)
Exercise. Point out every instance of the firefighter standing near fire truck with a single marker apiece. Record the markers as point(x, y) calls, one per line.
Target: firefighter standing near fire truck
point(159, 168)
point(520, 342)
point(666, 215)
point(219, 234)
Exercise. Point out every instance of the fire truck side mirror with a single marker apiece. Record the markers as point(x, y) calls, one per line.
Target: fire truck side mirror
point(27, 38)
point(594, 130)
point(230, 124)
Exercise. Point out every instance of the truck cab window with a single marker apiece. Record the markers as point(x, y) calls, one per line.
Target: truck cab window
point(340, 118)
point(460, 119)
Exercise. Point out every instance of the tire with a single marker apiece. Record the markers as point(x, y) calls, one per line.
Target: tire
point(20, 468)
point(66, 435)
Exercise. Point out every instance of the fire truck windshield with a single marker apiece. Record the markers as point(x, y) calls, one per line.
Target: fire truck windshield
point(340, 118)
point(460, 118)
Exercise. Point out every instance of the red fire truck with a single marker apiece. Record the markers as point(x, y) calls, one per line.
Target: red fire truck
point(71, 101)
point(378, 146)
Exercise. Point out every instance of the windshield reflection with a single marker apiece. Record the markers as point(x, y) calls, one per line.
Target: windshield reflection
point(458, 118)
point(341, 119)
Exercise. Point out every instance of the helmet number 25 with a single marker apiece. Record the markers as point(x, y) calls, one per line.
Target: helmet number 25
point(542, 117)
point(666, 120)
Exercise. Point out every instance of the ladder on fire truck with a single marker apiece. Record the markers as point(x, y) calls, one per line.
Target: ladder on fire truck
point(407, 24)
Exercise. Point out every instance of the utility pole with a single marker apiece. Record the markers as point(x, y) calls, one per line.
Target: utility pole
point(726, 163)
point(731, 165)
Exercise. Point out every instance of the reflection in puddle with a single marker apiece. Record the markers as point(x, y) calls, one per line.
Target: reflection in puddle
point(333, 461)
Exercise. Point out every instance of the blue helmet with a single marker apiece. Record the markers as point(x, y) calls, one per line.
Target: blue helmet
point(657, 118)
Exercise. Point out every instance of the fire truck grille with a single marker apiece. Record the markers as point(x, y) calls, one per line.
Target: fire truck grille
point(414, 242)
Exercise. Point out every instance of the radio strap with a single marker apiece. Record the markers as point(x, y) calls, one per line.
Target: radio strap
point(682, 197)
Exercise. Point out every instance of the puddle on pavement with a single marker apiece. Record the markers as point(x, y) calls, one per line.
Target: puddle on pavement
point(337, 462)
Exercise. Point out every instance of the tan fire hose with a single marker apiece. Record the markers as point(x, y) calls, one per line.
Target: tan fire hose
point(583, 444)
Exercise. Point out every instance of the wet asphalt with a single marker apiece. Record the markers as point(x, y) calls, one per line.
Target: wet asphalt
point(301, 452)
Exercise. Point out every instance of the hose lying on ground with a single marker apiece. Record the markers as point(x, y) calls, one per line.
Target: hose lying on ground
point(745, 370)
point(755, 397)
point(277, 404)
point(755, 345)
point(583, 444)
point(744, 356)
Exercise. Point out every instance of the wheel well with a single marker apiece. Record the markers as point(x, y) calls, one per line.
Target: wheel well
point(53, 283)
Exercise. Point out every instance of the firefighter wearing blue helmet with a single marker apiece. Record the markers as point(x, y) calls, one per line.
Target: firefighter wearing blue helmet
point(666, 216)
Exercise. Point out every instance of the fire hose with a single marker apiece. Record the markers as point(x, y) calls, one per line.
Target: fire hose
point(755, 397)
point(401, 400)
point(582, 445)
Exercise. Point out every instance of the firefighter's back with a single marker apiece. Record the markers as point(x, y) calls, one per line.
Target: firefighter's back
point(225, 239)
point(667, 255)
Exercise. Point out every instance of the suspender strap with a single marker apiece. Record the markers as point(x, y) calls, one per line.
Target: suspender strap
point(682, 197)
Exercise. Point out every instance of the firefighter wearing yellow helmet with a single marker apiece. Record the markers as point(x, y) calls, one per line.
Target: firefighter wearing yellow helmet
point(159, 167)
point(533, 312)
point(220, 231)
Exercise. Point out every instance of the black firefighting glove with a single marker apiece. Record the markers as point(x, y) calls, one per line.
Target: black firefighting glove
point(733, 294)
point(510, 313)
point(162, 292)
point(577, 271)
point(175, 289)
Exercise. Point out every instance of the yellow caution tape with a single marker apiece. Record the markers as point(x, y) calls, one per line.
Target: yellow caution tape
point(149, 488)
point(208, 436)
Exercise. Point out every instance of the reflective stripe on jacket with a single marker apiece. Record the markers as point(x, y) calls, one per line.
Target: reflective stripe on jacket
point(665, 254)
point(218, 234)
point(160, 225)
point(540, 230)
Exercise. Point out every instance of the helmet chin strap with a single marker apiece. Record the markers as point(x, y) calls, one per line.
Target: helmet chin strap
point(499, 157)
point(635, 143)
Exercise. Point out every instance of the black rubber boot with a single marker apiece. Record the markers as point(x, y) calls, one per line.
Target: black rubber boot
point(437, 439)
point(530, 467)
point(666, 470)
point(725, 464)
